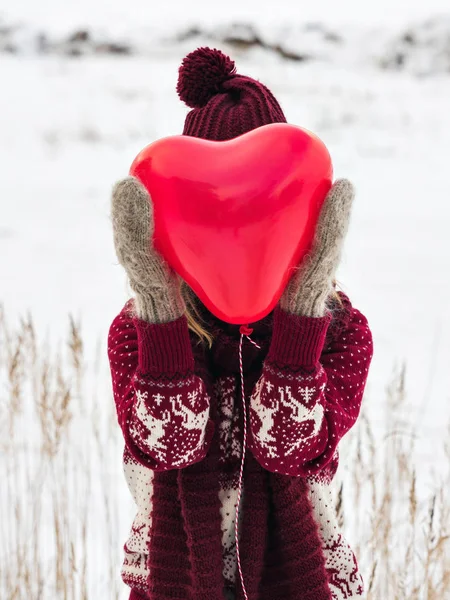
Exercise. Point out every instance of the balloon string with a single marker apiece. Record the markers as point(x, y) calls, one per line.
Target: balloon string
point(245, 331)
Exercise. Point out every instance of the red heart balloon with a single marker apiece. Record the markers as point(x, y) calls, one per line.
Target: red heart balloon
point(233, 218)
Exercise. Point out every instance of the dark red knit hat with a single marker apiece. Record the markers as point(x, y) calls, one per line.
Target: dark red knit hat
point(224, 103)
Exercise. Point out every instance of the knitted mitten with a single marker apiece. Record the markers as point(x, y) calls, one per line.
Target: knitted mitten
point(157, 287)
point(312, 282)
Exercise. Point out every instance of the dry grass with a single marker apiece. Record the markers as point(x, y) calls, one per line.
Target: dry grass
point(60, 449)
point(62, 503)
point(403, 540)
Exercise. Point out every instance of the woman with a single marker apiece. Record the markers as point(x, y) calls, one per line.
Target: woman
point(177, 388)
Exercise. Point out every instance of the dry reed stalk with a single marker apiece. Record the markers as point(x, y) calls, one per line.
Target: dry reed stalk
point(47, 468)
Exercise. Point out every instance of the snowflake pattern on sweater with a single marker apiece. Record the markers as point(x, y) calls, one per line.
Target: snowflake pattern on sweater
point(344, 577)
point(299, 410)
point(139, 478)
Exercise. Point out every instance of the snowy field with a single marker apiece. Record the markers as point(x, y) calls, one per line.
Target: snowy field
point(70, 127)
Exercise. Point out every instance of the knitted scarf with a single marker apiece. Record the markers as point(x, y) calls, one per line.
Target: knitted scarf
point(280, 548)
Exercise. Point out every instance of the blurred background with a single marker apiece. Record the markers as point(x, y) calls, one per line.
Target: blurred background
point(84, 86)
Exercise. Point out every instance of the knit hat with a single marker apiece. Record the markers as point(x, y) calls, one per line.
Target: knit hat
point(224, 104)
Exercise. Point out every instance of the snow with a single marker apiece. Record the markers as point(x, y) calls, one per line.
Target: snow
point(71, 127)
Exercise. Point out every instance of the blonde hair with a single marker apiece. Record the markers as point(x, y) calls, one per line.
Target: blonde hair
point(194, 317)
point(197, 324)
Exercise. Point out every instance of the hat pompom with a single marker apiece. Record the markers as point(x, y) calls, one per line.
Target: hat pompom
point(202, 74)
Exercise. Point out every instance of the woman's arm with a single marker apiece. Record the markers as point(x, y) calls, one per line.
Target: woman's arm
point(308, 398)
point(162, 406)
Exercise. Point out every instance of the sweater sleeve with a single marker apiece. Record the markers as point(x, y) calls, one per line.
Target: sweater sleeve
point(162, 406)
point(308, 396)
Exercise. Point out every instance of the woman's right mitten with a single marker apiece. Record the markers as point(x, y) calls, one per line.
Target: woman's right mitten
point(156, 285)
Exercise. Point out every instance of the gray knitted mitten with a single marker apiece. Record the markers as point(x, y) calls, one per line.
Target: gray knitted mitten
point(157, 286)
point(312, 282)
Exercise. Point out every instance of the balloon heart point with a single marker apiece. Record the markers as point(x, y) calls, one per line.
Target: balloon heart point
point(233, 218)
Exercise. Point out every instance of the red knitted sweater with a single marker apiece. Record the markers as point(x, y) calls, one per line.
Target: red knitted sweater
point(178, 405)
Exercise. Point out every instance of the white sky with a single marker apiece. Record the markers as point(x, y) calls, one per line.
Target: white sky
point(121, 15)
